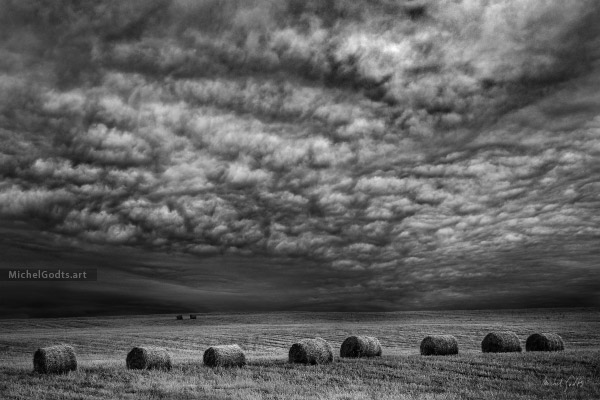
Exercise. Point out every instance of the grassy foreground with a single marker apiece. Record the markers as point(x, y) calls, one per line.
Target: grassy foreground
point(102, 344)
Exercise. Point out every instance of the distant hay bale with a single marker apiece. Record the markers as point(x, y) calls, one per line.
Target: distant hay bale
point(439, 345)
point(360, 346)
point(149, 357)
point(501, 342)
point(311, 351)
point(179, 317)
point(58, 359)
point(192, 316)
point(230, 355)
point(544, 342)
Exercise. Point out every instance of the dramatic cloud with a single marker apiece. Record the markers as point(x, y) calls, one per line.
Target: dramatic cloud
point(383, 155)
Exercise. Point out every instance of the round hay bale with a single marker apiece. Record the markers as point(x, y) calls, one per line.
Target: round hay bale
point(230, 355)
point(179, 317)
point(58, 359)
point(149, 357)
point(501, 342)
point(311, 351)
point(439, 345)
point(360, 346)
point(192, 316)
point(544, 342)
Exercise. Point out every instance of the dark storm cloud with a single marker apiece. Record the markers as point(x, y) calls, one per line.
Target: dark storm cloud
point(379, 158)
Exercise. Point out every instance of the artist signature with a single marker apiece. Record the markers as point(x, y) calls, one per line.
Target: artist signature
point(572, 382)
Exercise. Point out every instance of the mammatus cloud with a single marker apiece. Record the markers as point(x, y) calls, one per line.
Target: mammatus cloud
point(419, 153)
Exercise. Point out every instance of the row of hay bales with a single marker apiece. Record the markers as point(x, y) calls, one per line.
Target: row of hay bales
point(151, 357)
point(494, 342)
point(62, 358)
point(506, 342)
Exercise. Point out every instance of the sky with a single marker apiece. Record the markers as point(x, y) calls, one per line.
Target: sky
point(267, 155)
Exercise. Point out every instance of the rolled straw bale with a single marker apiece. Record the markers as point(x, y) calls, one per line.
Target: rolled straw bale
point(179, 317)
point(59, 359)
point(544, 342)
point(439, 345)
point(230, 355)
point(360, 346)
point(311, 351)
point(149, 357)
point(501, 342)
point(192, 316)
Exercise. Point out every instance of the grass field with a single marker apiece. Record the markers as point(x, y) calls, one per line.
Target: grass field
point(401, 373)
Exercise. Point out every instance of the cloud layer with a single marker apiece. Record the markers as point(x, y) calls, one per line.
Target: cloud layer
point(413, 158)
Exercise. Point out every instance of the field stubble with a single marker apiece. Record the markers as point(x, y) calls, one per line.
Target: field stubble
point(102, 345)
